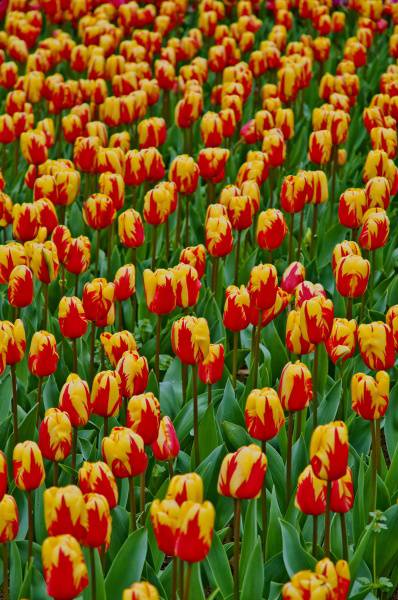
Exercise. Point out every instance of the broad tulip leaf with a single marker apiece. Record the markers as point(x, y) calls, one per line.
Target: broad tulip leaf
point(217, 561)
point(295, 557)
point(249, 536)
point(253, 581)
point(127, 566)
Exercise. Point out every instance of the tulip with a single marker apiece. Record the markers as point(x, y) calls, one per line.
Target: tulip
point(329, 456)
point(29, 474)
point(295, 341)
point(65, 511)
point(188, 285)
point(295, 386)
point(166, 446)
point(212, 162)
point(370, 395)
point(293, 275)
point(320, 147)
point(341, 344)
point(72, 322)
point(376, 345)
point(124, 281)
point(152, 132)
point(131, 229)
point(392, 322)
point(346, 248)
point(196, 257)
point(25, 224)
point(116, 344)
point(124, 452)
point(99, 523)
point(143, 416)
point(271, 229)
point(307, 290)
point(211, 368)
point(141, 591)
point(97, 478)
point(377, 192)
point(328, 581)
point(195, 533)
point(352, 276)
point(33, 147)
point(55, 437)
point(11, 255)
point(375, 229)
point(20, 287)
point(185, 487)
point(311, 499)
point(9, 519)
point(166, 518)
point(106, 396)
point(64, 569)
point(263, 414)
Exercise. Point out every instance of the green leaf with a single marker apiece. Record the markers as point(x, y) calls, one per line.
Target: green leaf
point(99, 577)
point(253, 581)
point(274, 540)
point(229, 409)
point(360, 550)
point(209, 437)
point(127, 566)
point(217, 560)
point(387, 544)
point(249, 537)
point(235, 435)
point(391, 422)
point(295, 557)
point(15, 571)
point(329, 406)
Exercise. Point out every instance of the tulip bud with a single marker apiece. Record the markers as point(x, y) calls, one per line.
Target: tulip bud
point(375, 229)
point(271, 229)
point(152, 132)
point(346, 248)
point(74, 399)
point(352, 276)
point(98, 211)
point(377, 192)
point(43, 355)
point(187, 487)
point(236, 308)
point(190, 339)
point(184, 172)
point(9, 519)
point(263, 414)
point(20, 287)
point(131, 228)
point(295, 340)
point(124, 282)
point(141, 590)
point(275, 147)
point(124, 452)
point(342, 493)
point(392, 322)
point(212, 162)
point(295, 386)
point(64, 569)
point(28, 468)
point(98, 478)
point(65, 511)
point(263, 285)
point(116, 344)
point(316, 319)
point(33, 147)
point(294, 193)
point(242, 473)
point(71, 317)
point(166, 446)
point(329, 450)
point(376, 345)
point(293, 275)
point(342, 340)
point(112, 185)
point(195, 532)
point(135, 170)
point(196, 257)
point(160, 290)
point(165, 519)
point(159, 203)
point(210, 369)
point(153, 164)
point(143, 416)
point(311, 493)
point(97, 300)
point(99, 519)
point(25, 225)
point(320, 147)
point(384, 138)
point(352, 206)
point(55, 435)
point(106, 396)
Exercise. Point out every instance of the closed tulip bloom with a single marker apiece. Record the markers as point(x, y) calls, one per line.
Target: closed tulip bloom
point(184, 172)
point(211, 129)
point(263, 286)
point(275, 147)
point(195, 532)
point(378, 193)
point(342, 340)
point(165, 518)
point(210, 369)
point(316, 319)
point(9, 519)
point(28, 467)
point(65, 511)
point(25, 225)
point(160, 291)
point(196, 257)
point(263, 414)
point(352, 207)
point(370, 395)
point(143, 416)
point(33, 147)
point(43, 261)
point(152, 132)
point(133, 372)
point(3, 476)
point(307, 290)
point(98, 296)
point(116, 344)
point(188, 486)
point(281, 301)
point(190, 339)
point(295, 386)
point(392, 322)
point(106, 396)
point(294, 193)
point(131, 228)
point(153, 164)
point(64, 569)
point(352, 276)
point(212, 162)
point(14, 338)
point(112, 185)
point(98, 478)
point(384, 138)
point(318, 191)
point(219, 238)
point(46, 214)
point(99, 521)
point(342, 493)
point(240, 212)
point(141, 591)
point(376, 345)
point(166, 446)
point(43, 355)
point(124, 452)
point(292, 276)
point(11, 255)
point(295, 340)
point(311, 493)
point(329, 450)
point(55, 435)
point(320, 147)
point(159, 203)
point(271, 229)
point(124, 282)
point(375, 229)
point(20, 286)
point(242, 473)
point(62, 237)
point(346, 248)
point(188, 285)
point(236, 308)
point(98, 211)
point(71, 317)
point(74, 399)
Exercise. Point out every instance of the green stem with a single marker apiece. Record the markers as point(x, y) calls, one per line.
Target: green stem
point(236, 547)
point(184, 381)
point(314, 230)
point(55, 474)
point(14, 403)
point(93, 579)
point(39, 395)
point(157, 351)
point(31, 525)
point(257, 348)
point(74, 449)
point(349, 308)
point(167, 239)
point(344, 536)
point(187, 237)
point(374, 465)
point(195, 413)
point(289, 457)
point(291, 227)
point(5, 571)
point(300, 236)
point(237, 253)
point(133, 524)
point(45, 311)
point(214, 274)
point(109, 249)
point(153, 249)
point(327, 520)
point(315, 388)
point(142, 498)
point(92, 351)
point(188, 581)
point(264, 508)
point(97, 247)
point(74, 353)
point(174, 580)
point(314, 534)
point(235, 358)
point(209, 394)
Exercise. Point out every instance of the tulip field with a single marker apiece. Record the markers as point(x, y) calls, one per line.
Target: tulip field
point(198, 300)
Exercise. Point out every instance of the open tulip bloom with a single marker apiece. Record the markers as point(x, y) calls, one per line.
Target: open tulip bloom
point(199, 299)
